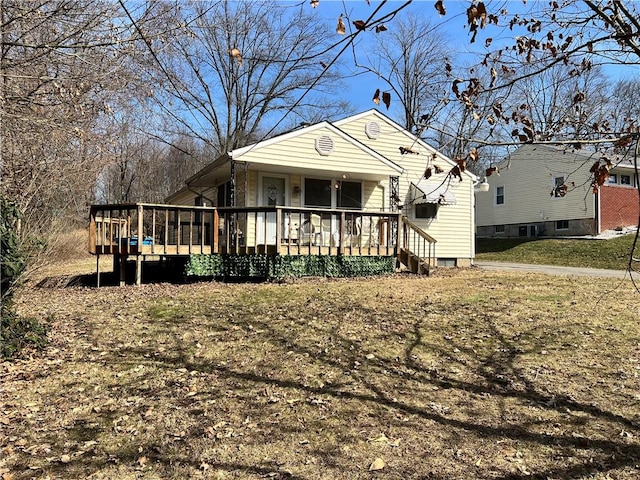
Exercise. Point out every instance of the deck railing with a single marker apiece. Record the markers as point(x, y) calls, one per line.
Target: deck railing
point(154, 229)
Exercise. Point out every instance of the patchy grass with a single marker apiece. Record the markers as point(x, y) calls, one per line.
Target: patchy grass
point(464, 374)
point(610, 254)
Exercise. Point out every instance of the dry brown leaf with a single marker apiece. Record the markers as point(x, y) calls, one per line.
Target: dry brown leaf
point(359, 24)
point(376, 97)
point(142, 461)
point(235, 53)
point(314, 3)
point(378, 464)
point(340, 28)
point(473, 155)
point(380, 439)
point(439, 5)
point(381, 28)
point(65, 458)
point(386, 99)
point(405, 150)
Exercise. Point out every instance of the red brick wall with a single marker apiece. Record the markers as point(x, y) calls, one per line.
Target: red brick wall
point(618, 207)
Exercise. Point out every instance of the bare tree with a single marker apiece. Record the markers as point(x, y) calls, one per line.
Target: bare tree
point(59, 63)
point(237, 66)
point(407, 59)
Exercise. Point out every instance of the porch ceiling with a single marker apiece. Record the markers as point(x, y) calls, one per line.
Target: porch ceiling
point(211, 178)
point(319, 172)
point(222, 173)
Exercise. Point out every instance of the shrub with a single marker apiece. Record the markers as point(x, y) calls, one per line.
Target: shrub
point(282, 266)
point(15, 332)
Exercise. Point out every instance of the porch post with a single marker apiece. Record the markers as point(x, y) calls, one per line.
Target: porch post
point(232, 195)
point(232, 199)
point(394, 202)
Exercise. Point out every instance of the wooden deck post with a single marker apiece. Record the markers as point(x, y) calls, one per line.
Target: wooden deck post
point(123, 269)
point(138, 269)
point(97, 270)
point(140, 242)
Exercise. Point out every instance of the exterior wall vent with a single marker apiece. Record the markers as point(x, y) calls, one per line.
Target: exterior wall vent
point(324, 145)
point(372, 129)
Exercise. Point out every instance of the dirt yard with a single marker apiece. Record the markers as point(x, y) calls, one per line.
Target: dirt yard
point(464, 374)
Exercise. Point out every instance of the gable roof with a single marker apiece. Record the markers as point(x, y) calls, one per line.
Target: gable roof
point(399, 128)
point(239, 152)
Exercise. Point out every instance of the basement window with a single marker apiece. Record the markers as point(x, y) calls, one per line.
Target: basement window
point(499, 229)
point(447, 262)
point(562, 224)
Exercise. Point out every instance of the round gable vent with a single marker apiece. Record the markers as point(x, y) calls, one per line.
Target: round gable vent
point(372, 129)
point(324, 145)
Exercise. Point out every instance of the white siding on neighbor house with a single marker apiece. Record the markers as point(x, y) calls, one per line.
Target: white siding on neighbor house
point(528, 186)
point(300, 152)
point(454, 229)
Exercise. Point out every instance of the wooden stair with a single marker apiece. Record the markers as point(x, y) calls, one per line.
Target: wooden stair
point(417, 252)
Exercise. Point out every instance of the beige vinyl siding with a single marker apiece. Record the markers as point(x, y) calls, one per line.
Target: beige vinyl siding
point(300, 152)
point(188, 197)
point(454, 228)
point(373, 196)
point(528, 184)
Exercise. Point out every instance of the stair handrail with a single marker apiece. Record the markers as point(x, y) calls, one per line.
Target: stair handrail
point(423, 248)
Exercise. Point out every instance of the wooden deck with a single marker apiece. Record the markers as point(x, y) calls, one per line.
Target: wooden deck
point(142, 230)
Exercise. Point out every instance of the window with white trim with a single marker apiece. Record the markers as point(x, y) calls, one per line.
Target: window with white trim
point(317, 192)
point(498, 229)
point(426, 210)
point(349, 195)
point(499, 195)
point(559, 187)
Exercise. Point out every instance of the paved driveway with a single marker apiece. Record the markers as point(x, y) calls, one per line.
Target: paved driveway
point(552, 269)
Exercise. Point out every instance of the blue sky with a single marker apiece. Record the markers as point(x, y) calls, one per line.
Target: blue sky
point(453, 25)
point(360, 90)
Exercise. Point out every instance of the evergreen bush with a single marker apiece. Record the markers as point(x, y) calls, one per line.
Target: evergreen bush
point(15, 332)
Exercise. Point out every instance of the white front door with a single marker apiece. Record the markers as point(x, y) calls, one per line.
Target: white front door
point(273, 192)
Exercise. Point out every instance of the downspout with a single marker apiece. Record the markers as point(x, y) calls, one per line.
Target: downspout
point(597, 207)
point(473, 225)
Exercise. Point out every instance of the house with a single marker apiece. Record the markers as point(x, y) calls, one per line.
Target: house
point(360, 186)
point(545, 190)
point(363, 162)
